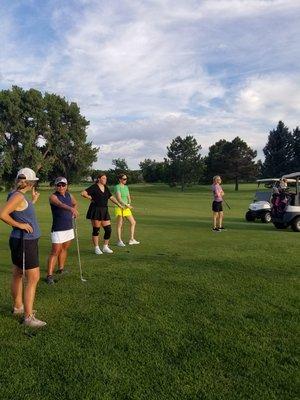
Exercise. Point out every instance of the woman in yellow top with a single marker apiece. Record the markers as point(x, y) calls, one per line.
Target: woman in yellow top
point(123, 196)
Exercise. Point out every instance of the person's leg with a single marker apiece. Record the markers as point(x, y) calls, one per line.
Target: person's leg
point(63, 255)
point(107, 231)
point(215, 216)
point(119, 227)
point(54, 254)
point(33, 276)
point(221, 217)
point(17, 287)
point(132, 226)
point(96, 228)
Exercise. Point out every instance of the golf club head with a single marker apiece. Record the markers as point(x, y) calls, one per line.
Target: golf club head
point(82, 279)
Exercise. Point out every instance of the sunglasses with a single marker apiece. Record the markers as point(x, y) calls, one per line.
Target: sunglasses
point(124, 179)
point(61, 185)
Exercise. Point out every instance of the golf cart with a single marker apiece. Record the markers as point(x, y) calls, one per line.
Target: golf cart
point(286, 205)
point(261, 206)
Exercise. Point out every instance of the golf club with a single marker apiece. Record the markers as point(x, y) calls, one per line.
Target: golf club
point(26, 331)
point(78, 251)
point(23, 256)
point(227, 204)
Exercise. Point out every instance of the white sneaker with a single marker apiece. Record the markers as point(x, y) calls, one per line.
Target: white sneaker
point(121, 243)
point(34, 322)
point(133, 241)
point(106, 249)
point(18, 311)
point(97, 250)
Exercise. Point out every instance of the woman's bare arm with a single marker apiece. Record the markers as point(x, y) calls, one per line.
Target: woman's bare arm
point(12, 204)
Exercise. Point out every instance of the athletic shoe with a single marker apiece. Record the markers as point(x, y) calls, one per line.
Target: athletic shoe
point(222, 228)
point(216, 229)
point(97, 250)
point(107, 250)
point(121, 243)
point(62, 271)
point(33, 322)
point(133, 241)
point(50, 280)
point(18, 311)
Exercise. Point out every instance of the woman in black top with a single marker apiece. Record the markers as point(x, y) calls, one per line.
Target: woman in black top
point(99, 194)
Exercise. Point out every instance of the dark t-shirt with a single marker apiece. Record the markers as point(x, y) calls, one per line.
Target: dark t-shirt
point(99, 198)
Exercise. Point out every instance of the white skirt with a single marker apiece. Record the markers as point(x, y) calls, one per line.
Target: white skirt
point(62, 236)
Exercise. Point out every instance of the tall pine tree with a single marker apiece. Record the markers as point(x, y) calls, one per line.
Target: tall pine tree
point(296, 149)
point(278, 152)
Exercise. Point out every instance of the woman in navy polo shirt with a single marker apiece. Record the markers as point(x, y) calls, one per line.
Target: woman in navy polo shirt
point(64, 209)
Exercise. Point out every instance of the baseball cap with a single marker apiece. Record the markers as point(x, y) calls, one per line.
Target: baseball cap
point(28, 174)
point(60, 179)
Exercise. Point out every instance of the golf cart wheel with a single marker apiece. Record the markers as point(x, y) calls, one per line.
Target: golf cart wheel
point(249, 217)
point(280, 225)
point(266, 218)
point(296, 224)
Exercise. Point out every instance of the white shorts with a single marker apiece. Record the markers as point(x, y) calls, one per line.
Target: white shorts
point(62, 236)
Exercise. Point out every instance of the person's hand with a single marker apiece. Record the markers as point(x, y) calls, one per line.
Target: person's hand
point(26, 227)
point(74, 212)
point(129, 206)
point(35, 195)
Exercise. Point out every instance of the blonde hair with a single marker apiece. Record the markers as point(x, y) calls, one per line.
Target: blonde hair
point(216, 177)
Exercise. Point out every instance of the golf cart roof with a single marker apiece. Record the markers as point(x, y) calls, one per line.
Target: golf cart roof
point(293, 175)
point(267, 180)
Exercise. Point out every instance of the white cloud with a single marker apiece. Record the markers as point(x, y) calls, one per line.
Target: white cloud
point(270, 98)
point(145, 72)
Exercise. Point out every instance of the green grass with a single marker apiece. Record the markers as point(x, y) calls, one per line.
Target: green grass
point(188, 314)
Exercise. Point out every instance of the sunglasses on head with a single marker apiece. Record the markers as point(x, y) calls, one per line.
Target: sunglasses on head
point(61, 184)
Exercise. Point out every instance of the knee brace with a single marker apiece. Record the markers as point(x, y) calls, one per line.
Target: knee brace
point(107, 232)
point(95, 231)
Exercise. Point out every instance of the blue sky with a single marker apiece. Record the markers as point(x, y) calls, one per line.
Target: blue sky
point(144, 72)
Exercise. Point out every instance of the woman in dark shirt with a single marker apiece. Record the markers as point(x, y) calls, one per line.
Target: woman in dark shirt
point(99, 194)
point(64, 209)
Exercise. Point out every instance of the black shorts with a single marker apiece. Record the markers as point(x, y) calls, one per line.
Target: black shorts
point(217, 206)
point(31, 252)
point(98, 213)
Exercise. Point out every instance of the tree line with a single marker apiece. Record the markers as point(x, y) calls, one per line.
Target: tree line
point(234, 160)
point(49, 134)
